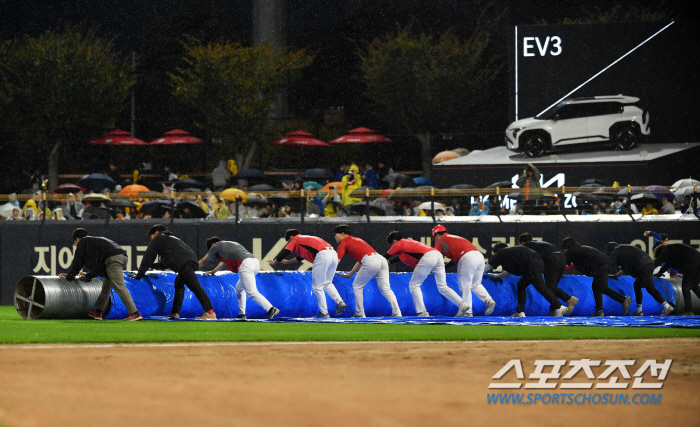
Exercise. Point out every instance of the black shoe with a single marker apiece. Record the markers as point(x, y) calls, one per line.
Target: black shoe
point(598, 313)
point(638, 313)
point(626, 305)
point(322, 316)
point(687, 313)
point(174, 315)
point(273, 312)
point(340, 308)
point(241, 316)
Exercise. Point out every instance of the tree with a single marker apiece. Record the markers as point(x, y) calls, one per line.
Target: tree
point(427, 86)
point(233, 88)
point(58, 89)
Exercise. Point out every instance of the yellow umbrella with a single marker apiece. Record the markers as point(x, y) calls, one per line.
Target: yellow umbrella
point(232, 194)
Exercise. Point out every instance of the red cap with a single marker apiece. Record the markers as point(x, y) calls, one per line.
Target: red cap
point(438, 229)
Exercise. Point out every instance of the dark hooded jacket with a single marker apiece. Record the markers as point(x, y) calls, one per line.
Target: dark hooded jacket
point(174, 253)
point(630, 259)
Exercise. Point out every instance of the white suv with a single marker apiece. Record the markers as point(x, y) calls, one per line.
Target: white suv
point(616, 119)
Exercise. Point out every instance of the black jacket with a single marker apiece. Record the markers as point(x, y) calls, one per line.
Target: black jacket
point(587, 260)
point(518, 260)
point(545, 249)
point(678, 256)
point(91, 254)
point(174, 253)
point(631, 260)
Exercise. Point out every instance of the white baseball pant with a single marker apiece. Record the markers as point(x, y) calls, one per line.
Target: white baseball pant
point(325, 264)
point(247, 271)
point(470, 270)
point(374, 266)
point(432, 262)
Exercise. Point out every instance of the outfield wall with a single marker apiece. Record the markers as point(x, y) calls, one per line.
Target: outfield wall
point(33, 248)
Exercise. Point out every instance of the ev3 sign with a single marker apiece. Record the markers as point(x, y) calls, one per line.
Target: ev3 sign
point(533, 45)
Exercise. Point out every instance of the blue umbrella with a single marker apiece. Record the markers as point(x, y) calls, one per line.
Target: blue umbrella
point(155, 206)
point(188, 183)
point(422, 181)
point(659, 191)
point(97, 182)
point(250, 173)
point(635, 190)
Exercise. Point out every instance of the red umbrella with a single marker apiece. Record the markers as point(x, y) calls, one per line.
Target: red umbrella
point(360, 136)
point(300, 138)
point(117, 137)
point(177, 136)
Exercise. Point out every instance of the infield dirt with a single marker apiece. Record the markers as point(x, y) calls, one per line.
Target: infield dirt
point(322, 384)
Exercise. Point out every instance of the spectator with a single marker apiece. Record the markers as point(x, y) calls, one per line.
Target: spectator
point(266, 212)
point(35, 180)
point(529, 181)
point(114, 173)
point(72, 209)
point(33, 203)
point(341, 172)
point(232, 167)
point(686, 204)
point(220, 176)
point(286, 211)
point(219, 208)
point(476, 211)
point(137, 175)
point(604, 207)
point(449, 211)
point(667, 207)
point(332, 196)
point(516, 208)
point(15, 216)
point(57, 214)
point(407, 211)
point(370, 177)
point(382, 170)
point(351, 181)
point(314, 204)
point(13, 199)
point(254, 211)
point(617, 206)
point(649, 209)
point(29, 215)
point(439, 213)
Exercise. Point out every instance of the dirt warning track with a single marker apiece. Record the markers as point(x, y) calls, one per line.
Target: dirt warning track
point(323, 384)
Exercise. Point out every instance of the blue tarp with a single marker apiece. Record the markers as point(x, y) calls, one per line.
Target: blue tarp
point(291, 293)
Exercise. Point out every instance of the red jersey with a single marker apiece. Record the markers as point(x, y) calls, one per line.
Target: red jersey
point(305, 246)
point(454, 247)
point(409, 251)
point(356, 248)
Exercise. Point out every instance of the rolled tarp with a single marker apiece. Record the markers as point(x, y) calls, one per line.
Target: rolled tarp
point(291, 292)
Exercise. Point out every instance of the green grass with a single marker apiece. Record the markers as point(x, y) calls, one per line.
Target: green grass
point(15, 330)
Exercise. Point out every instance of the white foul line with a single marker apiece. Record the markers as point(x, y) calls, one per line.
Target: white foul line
point(289, 343)
point(601, 71)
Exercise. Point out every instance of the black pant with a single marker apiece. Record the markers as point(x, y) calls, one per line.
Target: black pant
point(600, 286)
point(645, 280)
point(691, 281)
point(554, 266)
point(534, 277)
point(186, 277)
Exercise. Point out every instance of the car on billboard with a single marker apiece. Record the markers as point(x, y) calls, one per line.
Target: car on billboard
point(616, 120)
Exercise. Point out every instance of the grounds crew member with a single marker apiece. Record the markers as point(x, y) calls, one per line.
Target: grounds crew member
point(325, 261)
point(175, 255)
point(685, 259)
point(593, 263)
point(369, 265)
point(101, 257)
point(527, 264)
point(634, 262)
point(470, 267)
point(424, 260)
point(554, 265)
point(238, 260)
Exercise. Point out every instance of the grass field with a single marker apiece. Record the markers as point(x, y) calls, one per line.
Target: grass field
point(15, 330)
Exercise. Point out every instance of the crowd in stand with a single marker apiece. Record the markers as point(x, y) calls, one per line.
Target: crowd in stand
point(314, 200)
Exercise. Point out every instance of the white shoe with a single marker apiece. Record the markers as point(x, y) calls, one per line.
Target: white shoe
point(561, 311)
point(396, 314)
point(463, 308)
point(490, 306)
point(423, 314)
point(469, 314)
point(517, 314)
point(667, 310)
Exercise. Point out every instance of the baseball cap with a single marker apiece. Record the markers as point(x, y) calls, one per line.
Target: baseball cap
point(438, 229)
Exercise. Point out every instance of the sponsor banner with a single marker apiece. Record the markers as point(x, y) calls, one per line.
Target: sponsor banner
point(28, 248)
